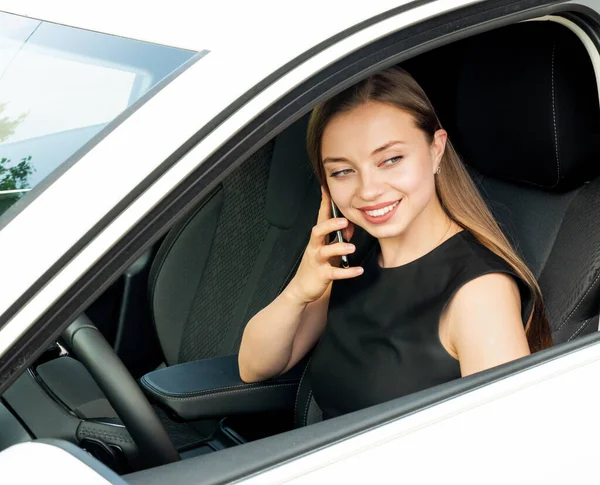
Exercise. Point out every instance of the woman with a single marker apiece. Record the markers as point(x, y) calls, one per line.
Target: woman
point(439, 294)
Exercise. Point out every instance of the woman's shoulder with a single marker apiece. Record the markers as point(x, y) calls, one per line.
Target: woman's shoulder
point(478, 257)
point(487, 272)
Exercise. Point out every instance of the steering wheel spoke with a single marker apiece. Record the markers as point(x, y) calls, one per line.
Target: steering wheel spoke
point(122, 391)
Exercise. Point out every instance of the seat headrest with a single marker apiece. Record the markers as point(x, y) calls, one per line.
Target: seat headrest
point(527, 106)
point(290, 176)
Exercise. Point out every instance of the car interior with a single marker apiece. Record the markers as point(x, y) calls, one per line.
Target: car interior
point(148, 375)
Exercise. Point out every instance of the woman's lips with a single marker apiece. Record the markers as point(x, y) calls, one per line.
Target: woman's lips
point(379, 219)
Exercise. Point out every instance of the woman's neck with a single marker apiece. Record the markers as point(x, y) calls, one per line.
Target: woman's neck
point(431, 228)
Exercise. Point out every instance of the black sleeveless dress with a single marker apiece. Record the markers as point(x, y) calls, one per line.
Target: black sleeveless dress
point(381, 341)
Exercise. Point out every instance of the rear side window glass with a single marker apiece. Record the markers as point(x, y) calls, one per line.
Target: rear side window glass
point(59, 86)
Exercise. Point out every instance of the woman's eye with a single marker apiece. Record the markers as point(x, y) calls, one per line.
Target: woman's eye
point(341, 173)
point(393, 160)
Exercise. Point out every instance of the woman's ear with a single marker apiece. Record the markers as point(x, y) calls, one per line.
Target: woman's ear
point(438, 146)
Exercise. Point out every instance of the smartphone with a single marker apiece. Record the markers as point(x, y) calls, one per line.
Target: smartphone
point(338, 235)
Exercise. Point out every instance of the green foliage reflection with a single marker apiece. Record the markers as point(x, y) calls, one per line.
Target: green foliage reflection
point(12, 177)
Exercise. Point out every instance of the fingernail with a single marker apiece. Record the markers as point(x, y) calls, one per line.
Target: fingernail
point(341, 222)
point(350, 247)
point(359, 270)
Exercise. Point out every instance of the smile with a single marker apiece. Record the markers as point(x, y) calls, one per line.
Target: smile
point(383, 211)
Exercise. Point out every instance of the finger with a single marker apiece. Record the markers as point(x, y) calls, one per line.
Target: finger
point(345, 273)
point(327, 227)
point(337, 249)
point(348, 231)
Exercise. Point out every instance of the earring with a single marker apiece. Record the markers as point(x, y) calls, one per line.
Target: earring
point(439, 169)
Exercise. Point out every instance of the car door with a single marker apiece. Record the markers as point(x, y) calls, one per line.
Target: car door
point(390, 442)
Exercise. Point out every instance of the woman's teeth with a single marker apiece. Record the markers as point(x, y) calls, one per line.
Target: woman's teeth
point(383, 210)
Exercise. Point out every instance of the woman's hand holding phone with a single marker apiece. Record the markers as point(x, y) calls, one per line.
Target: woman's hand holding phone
point(320, 262)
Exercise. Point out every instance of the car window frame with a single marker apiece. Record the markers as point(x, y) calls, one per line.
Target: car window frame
point(262, 128)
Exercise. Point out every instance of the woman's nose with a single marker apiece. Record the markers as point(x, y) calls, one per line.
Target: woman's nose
point(370, 187)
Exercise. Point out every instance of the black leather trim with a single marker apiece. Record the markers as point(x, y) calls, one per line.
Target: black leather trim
point(303, 398)
point(588, 327)
point(213, 388)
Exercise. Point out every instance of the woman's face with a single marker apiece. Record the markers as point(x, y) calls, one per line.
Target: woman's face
point(380, 167)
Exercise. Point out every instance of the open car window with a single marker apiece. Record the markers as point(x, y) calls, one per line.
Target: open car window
point(59, 87)
point(404, 428)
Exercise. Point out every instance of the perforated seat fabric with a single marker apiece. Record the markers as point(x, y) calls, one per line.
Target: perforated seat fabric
point(234, 255)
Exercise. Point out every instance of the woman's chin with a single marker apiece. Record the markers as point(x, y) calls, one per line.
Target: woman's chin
point(384, 232)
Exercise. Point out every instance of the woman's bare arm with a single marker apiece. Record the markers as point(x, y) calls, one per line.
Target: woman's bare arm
point(484, 323)
point(280, 335)
point(277, 337)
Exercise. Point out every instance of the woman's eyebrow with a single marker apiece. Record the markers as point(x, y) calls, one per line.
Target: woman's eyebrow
point(335, 159)
point(386, 146)
point(376, 151)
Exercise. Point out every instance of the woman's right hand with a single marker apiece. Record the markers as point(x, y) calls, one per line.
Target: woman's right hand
point(319, 265)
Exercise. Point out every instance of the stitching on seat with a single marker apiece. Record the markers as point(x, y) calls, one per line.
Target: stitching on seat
point(146, 382)
point(299, 387)
point(579, 329)
point(580, 301)
point(307, 406)
point(212, 394)
point(554, 118)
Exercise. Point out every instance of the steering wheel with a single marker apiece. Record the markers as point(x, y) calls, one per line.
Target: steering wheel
point(122, 392)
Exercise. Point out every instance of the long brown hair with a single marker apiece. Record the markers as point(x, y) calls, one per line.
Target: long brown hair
point(455, 189)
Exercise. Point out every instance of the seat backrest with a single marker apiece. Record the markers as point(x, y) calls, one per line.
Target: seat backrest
point(527, 123)
point(236, 252)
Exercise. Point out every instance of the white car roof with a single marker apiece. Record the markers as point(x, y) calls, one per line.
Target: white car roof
point(223, 24)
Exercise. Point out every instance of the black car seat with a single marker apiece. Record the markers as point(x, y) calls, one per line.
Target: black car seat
point(531, 93)
point(216, 268)
point(236, 252)
point(521, 106)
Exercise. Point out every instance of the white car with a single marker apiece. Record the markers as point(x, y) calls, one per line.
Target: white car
point(155, 193)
